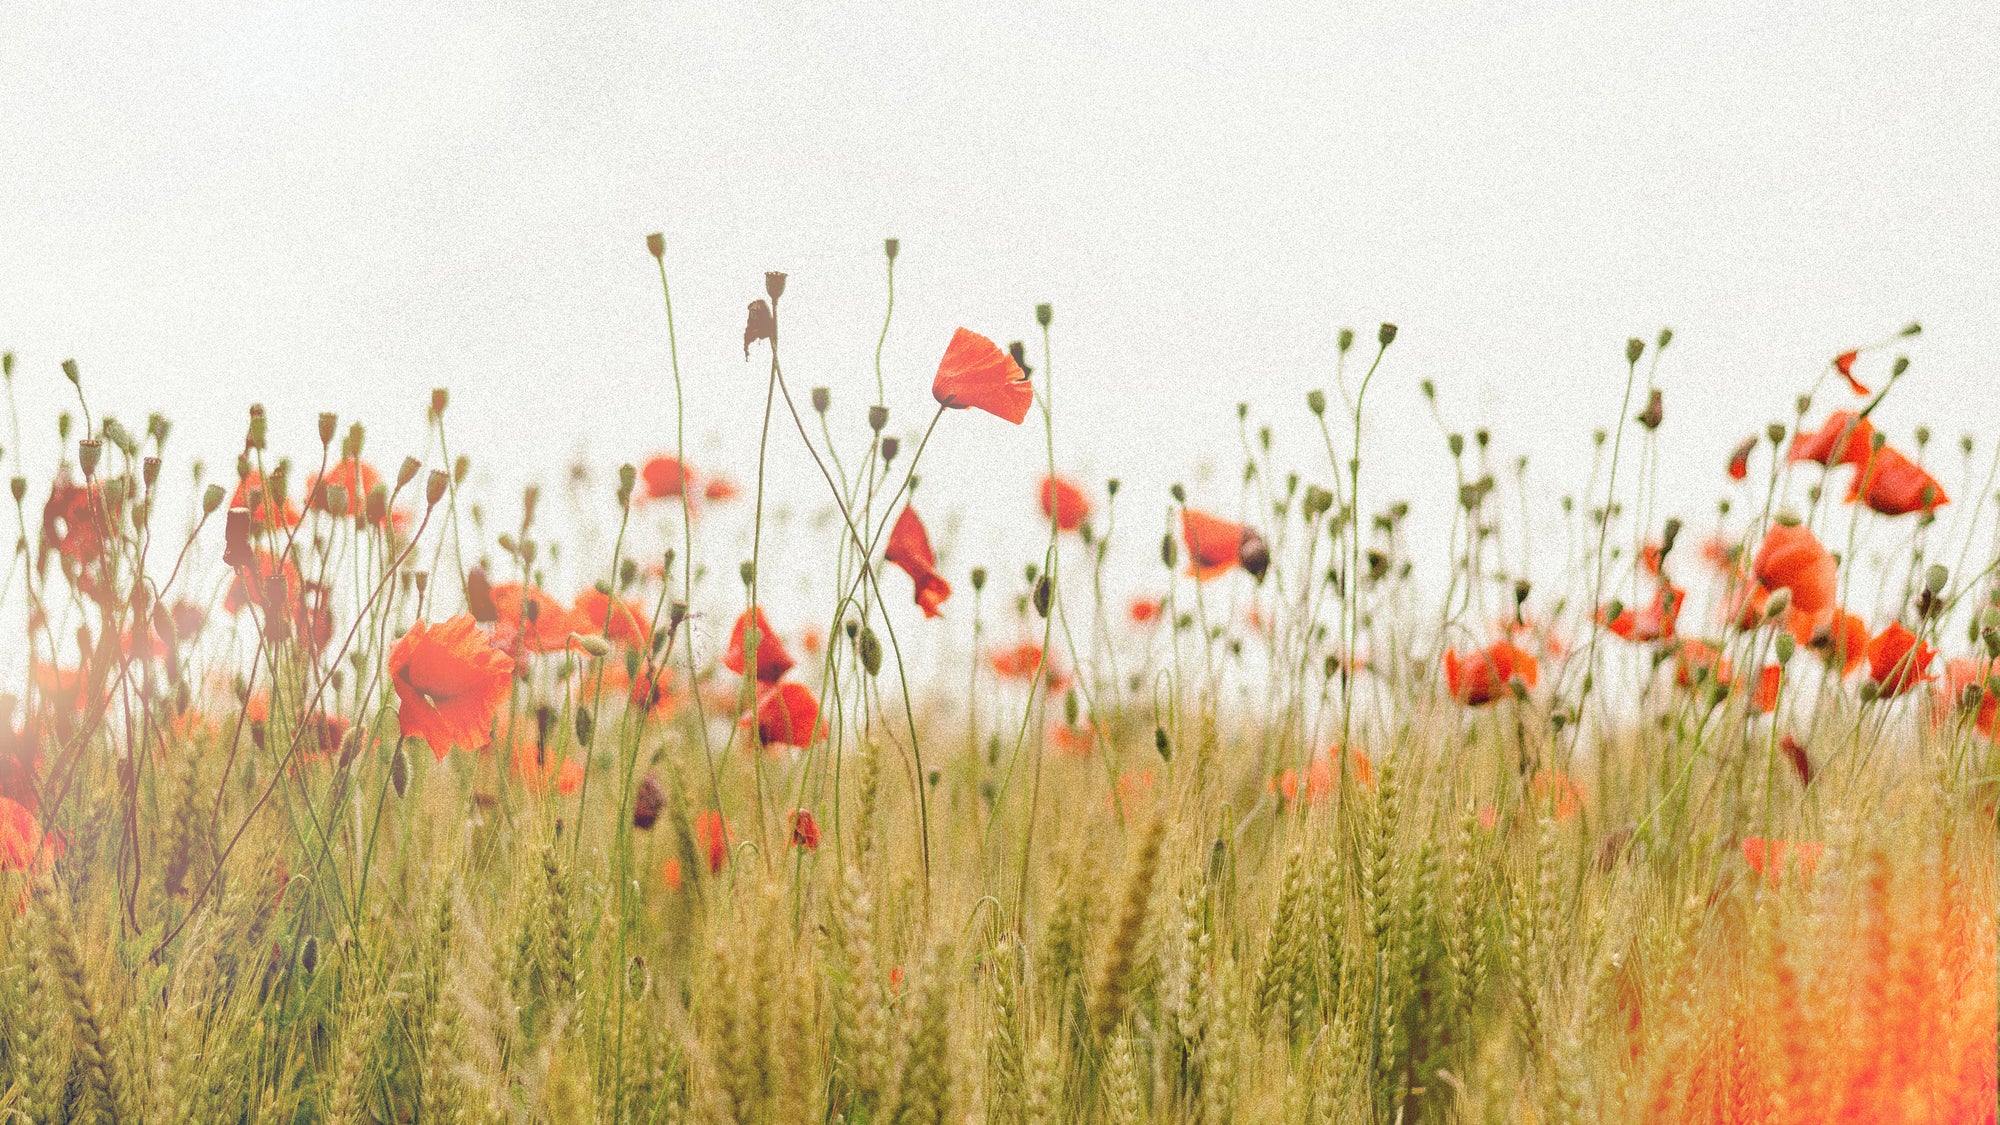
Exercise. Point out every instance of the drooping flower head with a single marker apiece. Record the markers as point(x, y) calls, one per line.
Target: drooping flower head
point(976, 373)
point(910, 548)
point(805, 831)
point(1892, 484)
point(1480, 677)
point(1063, 502)
point(787, 715)
point(450, 680)
point(1213, 544)
point(772, 659)
point(1843, 440)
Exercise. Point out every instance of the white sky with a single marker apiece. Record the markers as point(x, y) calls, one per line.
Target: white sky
point(338, 206)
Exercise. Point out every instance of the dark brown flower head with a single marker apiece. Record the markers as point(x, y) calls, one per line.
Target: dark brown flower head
point(760, 325)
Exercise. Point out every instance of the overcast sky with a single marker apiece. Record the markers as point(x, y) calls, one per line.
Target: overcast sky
point(338, 206)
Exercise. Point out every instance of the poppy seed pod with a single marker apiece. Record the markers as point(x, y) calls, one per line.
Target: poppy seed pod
point(890, 447)
point(211, 497)
point(1901, 365)
point(149, 471)
point(1666, 337)
point(1386, 334)
point(821, 399)
point(1316, 402)
point(69, 369)
point(1634, 348)
point(336, 500)
point(88, 452)
point(236, 538)
point(774, 285)
point(747, 572)
point(656, 245)
point(378, 504)
point(758, 324)
point(1044, 313)
point(878, 417)
point(891, 247)
point(647, 803)
point(408, 472)
point(435, 486)
point(1345, 340)
point(19, 486)
point(1775, 432)
point(978, 578)
point(440, 398)
point(328, 423)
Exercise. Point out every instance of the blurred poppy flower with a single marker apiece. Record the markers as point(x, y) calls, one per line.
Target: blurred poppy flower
point(1739, 458)
point(528, 619)
point(1480, 677)
point(1795, 753)
point(20, 764)
point(787, 715)
point(711, 838)
point(719, 490)
point(1652, 623)
point(805, 830)
point(1145, 611)
point(540, 770)
point(628, 626)
point(1558, 791)
point(1693, 659)
point(976, 373)
point(670, 874)
point(772, 659)
point(269, 512)
point(71, 524)
point(1842, 638)
point(1022, 660)
point(664, 478)
point(450, 680)
point(22, 844)
point(1960, 674)
point(1894, 485)
point(1791, 558)
point(1769, 858)
point(1898, 661)
point(910, 548)
point(1213, 544)
point(357, 477)
point(1844, 363)
point(1063, 503)
point(1764, 697)
point(1319, 780)
point(1844, 439)
point(652, 691)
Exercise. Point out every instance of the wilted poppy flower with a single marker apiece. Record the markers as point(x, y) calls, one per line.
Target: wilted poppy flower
point(976, 373)
point(1739, 458)
point(772, 659)
point(805, 830)
point(910, 548)
point(1791, 558)
point(787, 715)
point(1844, 363)
point(1145, 611)
point(664, 478)
point(539, 768)
point(1769, 858)
point(1021, 661)
point(1478, 678)
point(628, 622)
point(1795, 753)
point(1894, 485)
point(449, 682)
point(1557, 790)
point(711, 838)
point(268, 513)
point(1213, 544)
point(529, 619)
point(1844, 439)
point(1898, 661)
point(648, 801)
point(1063, 503)
point(71, 523)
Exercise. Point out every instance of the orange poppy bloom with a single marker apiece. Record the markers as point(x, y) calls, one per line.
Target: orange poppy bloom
point(1894, 485)
point(1768, 858)
point(529, 619)
point(1963, 672)
point(976, 373)
point(1791, 558)
point(1021, 662)
point(1320, 782)
point(1064, 503)
point(1653, 623)
point(652, 691)
point(450, 680)
point(1764, 697)
point(71, 524)
point(665, 478)
point(772, 659)
point(1898, 661)
point(1844, 439)
point(805, 831)
point(268, 513)
point(910, 548)
point(787, 715)
point(539, 770)
point(1842, 639)
point(628, 620)
point(711, 838)
point(670, 874)
point(1213, 545)
point(1844, 363)
point(1478, 678)
point(1145, 611)
point(719, 490)
point(356, 476)
point(1693, 658)
point(1559, 791)
point(21, 841)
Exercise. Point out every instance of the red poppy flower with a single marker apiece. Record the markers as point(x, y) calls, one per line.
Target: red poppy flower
point(1844, 439)
point(1842, 638)
point(719, 490)
point(805, 830)
point(772, 659)
point(1844, 363)
point(1693, 658)
point(1898, 661)
point(449, 682)
point(1764, 697)
point(1213, 544)
point(291, 607)
point(1021, 662)
point(1739, 458)
point(665, 478)
point(976, 373)
point(628, 622)
point(1795, 753)
point(1479, 678)
point(1320, 782)
point(20, 765)
point(1961, 673)
point(1768, 858)
point(787, 715)
point(711, 838)
point(1145, 611)
point(268, 513)
point(1653, 623)
point(539, 769)
point(529, 619)
point(22, 843)
point(71, 523)
point(910, 548)
point(1064, 503)
point(356, 476)
point(652, 691)
point(670, 874)
point(1557, 790)
point(1894, 485)
point(1791, 558)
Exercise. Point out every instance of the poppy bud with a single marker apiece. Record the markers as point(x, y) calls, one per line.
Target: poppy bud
point(586, 727)
point(627, 478)
point(1169, 552)
point(978, 579)
point(1044, 313)
point(1666, 337)
point(1935, 577)
point(1178, 493)
point(1634, 348)
point(1455, 443)
point(1345, 339)
point(1253, 554)
point(1070, 708)
point(399, 771)
point(759, 324)
point(7, 364)
point(1655, 412)
point(336, 500)
point(1785, 646)
point(378, 503)
point(821, 399)
point(1386, 334)
point(656, 245)
point(408, 471)
point(1111, 487)
point(774, 285)
point(878, 417)
point(1780, 601)
point(648, 802)
point(19, 486)
point(805, 830)
point(1161, 745)
point(591, 643)
point(1316, 402)
point(1522, 588)
point(891, 247)
point(1668, 534)
point(69, 369)
point(747, 572)
point(1923, 436)
point(211, 497)
point(870, 650)
point(890, 446)
point(435, 486)
point(1901, 365)
point(236, 537)
point(1869, 691)
point(1043, 593)
point(1991, 639)
point(149, 471)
